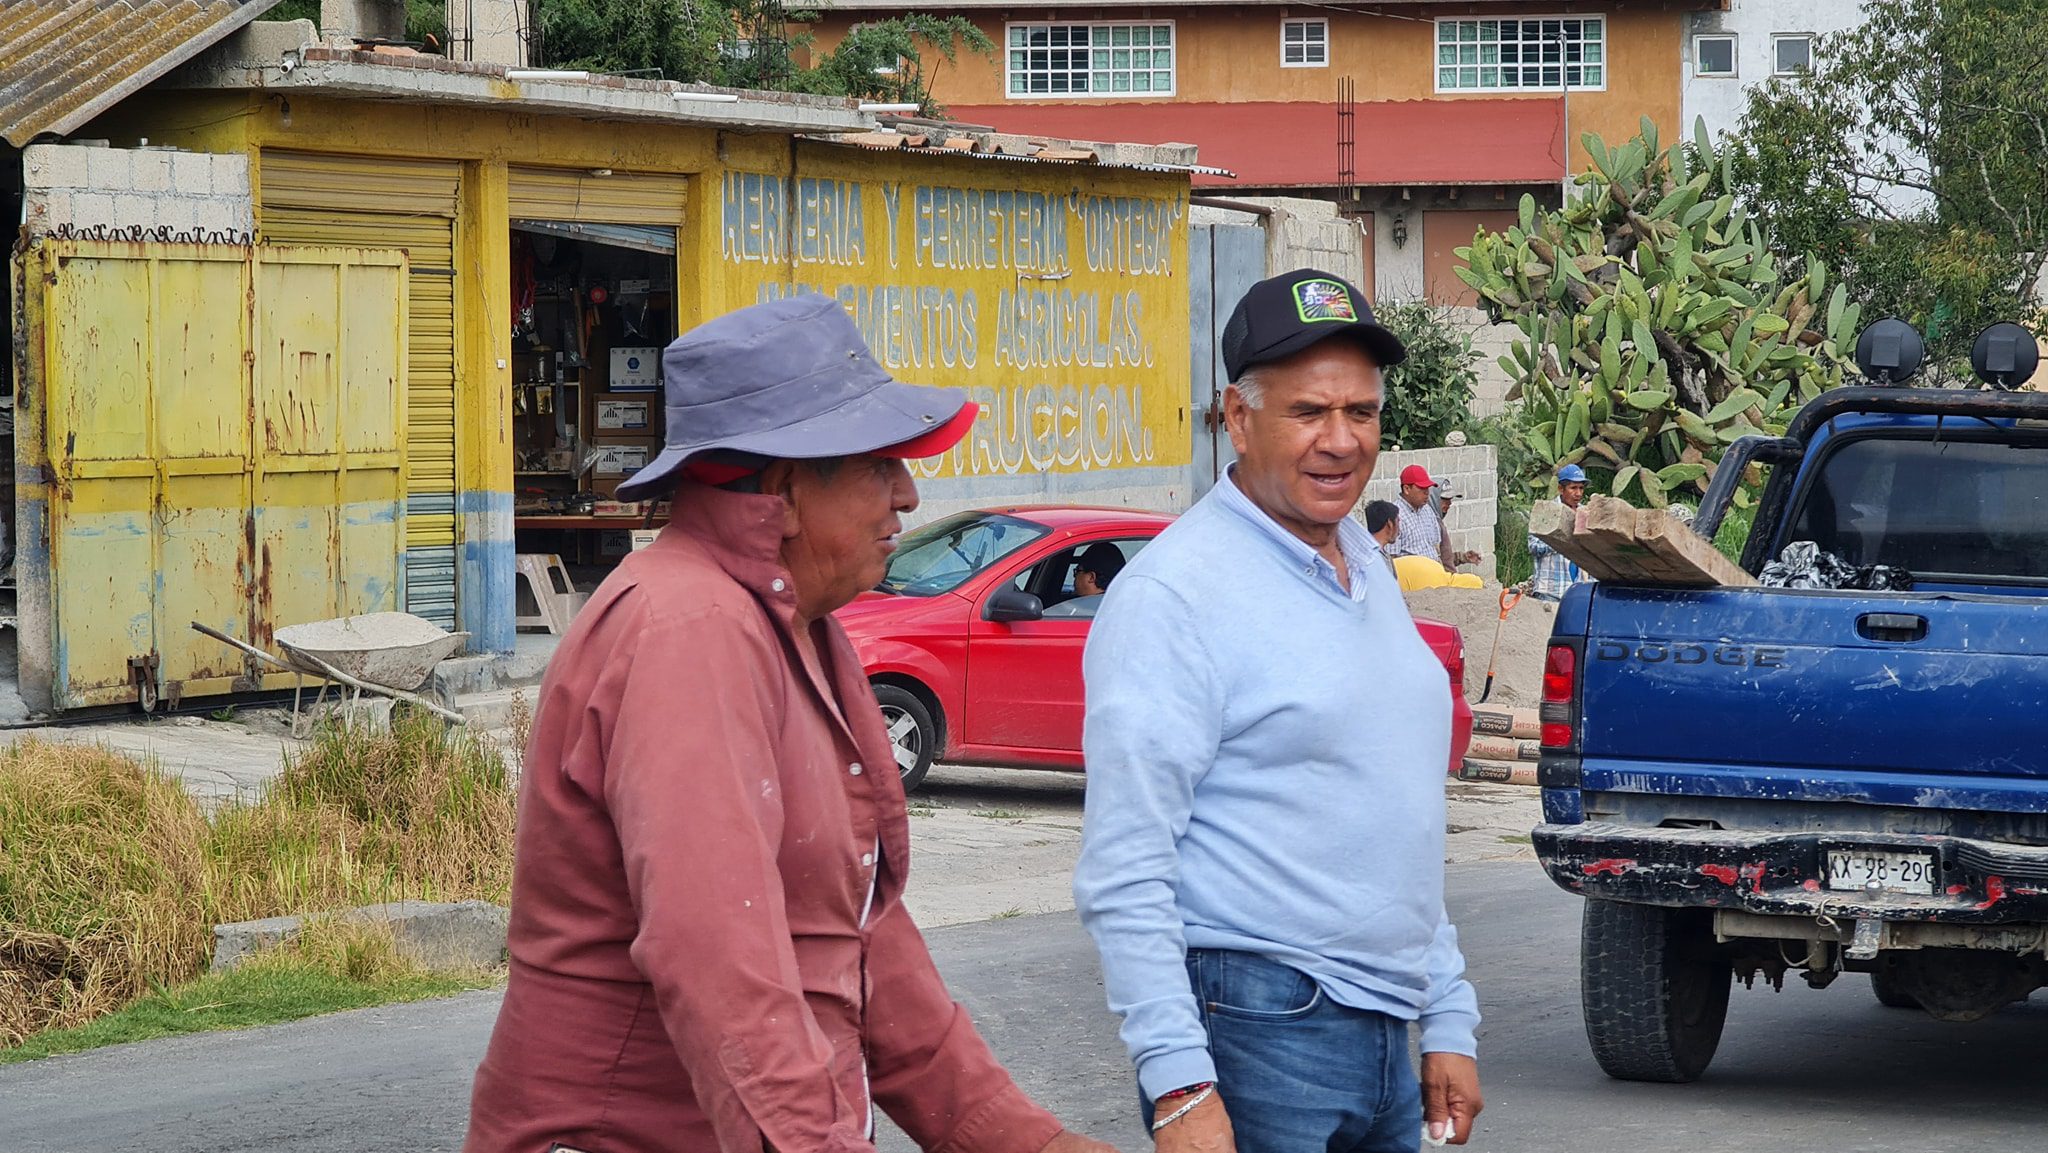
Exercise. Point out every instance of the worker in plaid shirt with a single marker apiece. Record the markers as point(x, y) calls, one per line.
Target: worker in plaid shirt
point(1554, 571)
point(1420, 527)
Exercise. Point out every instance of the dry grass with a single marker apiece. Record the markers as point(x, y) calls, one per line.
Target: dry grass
point(111, 878)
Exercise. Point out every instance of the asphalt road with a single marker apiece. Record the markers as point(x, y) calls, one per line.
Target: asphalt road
point(1798, 1070)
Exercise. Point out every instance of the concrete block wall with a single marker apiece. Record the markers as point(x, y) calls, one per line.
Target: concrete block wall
point(1472, 468)
point(1490, 342)
point(186, 196)
point(1300, 234)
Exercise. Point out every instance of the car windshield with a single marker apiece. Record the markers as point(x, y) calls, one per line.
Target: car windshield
point(945, 554)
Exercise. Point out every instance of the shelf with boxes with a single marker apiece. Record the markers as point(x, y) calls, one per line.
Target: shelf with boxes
point(589, 323)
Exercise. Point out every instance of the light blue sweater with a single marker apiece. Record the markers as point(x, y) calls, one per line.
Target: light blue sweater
point(1266, 763)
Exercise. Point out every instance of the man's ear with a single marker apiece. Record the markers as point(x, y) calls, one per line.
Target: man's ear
point(1235, 414)
point(779, 480)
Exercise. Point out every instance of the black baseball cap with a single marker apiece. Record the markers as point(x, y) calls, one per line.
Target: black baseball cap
point(1285, 314)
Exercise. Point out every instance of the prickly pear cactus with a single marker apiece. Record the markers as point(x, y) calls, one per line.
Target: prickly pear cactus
point(1656, 328)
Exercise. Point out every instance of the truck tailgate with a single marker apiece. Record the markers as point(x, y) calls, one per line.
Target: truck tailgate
point(1837, 683)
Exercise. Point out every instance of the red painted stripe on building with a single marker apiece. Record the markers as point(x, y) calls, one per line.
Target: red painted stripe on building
point(1470, 141)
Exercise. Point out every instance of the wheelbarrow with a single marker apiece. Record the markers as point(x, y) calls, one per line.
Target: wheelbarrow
point(388, 654)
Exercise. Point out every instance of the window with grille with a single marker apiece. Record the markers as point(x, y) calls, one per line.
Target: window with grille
point(1304, 43)
point(1520, 55)
point(1094, 59)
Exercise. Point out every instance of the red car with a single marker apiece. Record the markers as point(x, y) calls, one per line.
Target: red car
point(974, 658)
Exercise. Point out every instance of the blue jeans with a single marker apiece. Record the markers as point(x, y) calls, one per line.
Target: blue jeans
point(1299, 1073)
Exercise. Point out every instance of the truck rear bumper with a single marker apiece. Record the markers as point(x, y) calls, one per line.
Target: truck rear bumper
point(1785, 874)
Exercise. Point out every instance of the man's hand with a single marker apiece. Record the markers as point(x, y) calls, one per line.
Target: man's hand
point(1450, 1093)
point(1468, 558)
point(1206, 1129)
point(1069, 1141)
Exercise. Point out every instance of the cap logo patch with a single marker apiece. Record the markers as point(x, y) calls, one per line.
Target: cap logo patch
point(1319, 300)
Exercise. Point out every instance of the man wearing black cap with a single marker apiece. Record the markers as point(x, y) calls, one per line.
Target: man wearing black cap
point(1263, 844)
point(709, 948)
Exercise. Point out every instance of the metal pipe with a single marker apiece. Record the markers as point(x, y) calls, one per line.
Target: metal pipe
point(1258, 210)
point(1967, 404)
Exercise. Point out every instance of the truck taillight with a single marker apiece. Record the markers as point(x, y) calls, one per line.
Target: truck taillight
point(1560, 688)
point(1455, 665)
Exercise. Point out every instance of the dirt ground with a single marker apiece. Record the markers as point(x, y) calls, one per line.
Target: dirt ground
point(1524, 635)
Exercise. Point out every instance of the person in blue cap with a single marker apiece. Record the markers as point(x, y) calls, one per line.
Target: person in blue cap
point(1554, 571)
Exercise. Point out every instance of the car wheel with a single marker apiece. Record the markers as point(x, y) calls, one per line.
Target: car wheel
point(1655, 990)
point(912, 733)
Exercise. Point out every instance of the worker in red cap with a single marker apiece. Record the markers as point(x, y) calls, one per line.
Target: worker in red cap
point(709, 947)
point(1422, 531)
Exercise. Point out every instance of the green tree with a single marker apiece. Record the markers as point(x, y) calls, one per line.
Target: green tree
point(896, 61)
point(677, 38)
point(1914, 158)
point(1656, 327)
point(1429, 394)
point(426, 21)
point(755, 44)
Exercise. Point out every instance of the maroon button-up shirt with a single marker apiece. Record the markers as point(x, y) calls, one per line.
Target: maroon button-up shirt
point(703, 813)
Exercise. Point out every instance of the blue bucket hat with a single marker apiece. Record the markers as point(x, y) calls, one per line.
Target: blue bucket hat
point(791, 379)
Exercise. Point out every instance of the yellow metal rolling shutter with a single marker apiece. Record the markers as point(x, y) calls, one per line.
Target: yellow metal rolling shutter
point(575, 195)
point(371, 202)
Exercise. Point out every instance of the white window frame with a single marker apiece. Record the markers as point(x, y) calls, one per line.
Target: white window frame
point(1172, 70)
point(1322, 42)
point(1605, 63)
point(1778, 38)
point(1734, 56)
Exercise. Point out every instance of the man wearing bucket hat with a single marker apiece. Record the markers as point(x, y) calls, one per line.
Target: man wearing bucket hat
point(1265, 735)
point(1555, 573)
point(709, 948)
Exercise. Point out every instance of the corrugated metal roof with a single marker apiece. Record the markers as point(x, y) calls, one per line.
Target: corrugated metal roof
point(939, 150)
point(63, 62)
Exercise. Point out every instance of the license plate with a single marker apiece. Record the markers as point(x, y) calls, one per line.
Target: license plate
point(1894, 872)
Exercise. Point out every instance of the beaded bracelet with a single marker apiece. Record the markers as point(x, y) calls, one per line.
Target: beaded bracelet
point(1185, 1091)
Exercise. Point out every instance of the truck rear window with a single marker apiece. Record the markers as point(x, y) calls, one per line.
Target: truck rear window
point(1953, 507)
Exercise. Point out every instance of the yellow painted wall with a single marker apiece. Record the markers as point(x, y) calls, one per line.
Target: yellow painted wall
point(1057, 295)
point(1232, 55)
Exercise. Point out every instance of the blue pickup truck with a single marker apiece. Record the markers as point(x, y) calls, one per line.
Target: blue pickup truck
point(1755, 781)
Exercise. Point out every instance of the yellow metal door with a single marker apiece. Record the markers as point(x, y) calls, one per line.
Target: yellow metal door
point(329, 383)
point(165, 494)
point(399, 203)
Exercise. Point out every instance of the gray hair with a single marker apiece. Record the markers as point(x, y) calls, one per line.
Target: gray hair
point(1251, 388)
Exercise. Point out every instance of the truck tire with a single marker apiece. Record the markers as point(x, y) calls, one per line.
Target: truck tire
point(1888, 992)
point(1654, 988)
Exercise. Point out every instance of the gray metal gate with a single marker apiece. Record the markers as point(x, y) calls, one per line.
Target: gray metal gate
point(1225, 259)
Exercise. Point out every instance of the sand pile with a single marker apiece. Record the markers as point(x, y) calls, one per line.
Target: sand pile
point(1518, 670)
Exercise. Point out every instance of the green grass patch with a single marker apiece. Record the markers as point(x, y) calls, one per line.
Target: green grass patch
point(1002, 814)
point(112, 877)
point(1733, 535)
point(242, 999)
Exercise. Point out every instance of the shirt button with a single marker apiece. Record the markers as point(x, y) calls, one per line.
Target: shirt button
point(854, 768)
point(777, 586)
point(867, 859)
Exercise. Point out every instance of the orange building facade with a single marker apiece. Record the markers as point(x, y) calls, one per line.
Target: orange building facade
point(1425, 121)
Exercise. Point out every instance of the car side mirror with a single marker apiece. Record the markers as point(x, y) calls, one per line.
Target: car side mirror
point(1013, 605)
